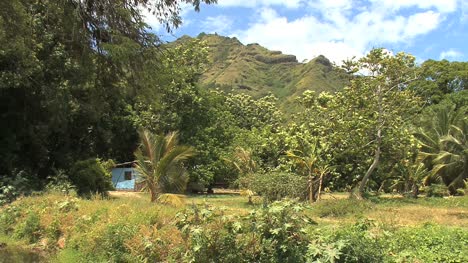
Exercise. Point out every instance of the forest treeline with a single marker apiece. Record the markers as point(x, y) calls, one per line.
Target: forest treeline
point(79, 79)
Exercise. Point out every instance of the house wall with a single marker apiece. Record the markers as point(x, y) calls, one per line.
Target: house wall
point(118, 178)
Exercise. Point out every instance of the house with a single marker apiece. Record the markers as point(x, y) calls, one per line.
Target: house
point(125, 177)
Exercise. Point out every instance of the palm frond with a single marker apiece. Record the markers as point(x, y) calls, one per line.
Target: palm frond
point(158, 162)
point(174, 157)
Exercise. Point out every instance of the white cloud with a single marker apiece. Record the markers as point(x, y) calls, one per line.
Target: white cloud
point(451, 54)
point(443, 6)
point(260, 3)
point(217, 24)
point(464, 12)
point(345, 28)
point(151, 20)
point(422, 23)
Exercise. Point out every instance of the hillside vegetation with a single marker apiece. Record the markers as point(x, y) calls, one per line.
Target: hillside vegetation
point(257, 71)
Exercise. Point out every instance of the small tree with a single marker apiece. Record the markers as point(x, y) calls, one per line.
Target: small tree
point(377, 105)
point(159, 163)
point(246, 166)
point(312, 166)
point(411, 178)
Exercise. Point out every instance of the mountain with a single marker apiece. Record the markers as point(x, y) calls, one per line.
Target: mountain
point(257, 71)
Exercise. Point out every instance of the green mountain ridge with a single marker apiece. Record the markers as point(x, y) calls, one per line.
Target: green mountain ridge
point(257, 71)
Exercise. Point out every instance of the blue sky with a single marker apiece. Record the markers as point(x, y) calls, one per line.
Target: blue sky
point(338, 29)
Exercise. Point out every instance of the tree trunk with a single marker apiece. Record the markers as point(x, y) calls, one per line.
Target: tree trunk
point(415, 190)
point(365, 179)
point(154, 194)
point(320, 186)
point(311, 190)
point(375, 163)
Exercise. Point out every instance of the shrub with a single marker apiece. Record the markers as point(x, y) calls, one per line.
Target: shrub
point(29, 229)
point(360, 243)
point(153, 244)
point(8, 193)
point(275, 186)
point(89, 177)
point(60, 183)
point(275, 233)
point(12, 187)
point(367, 241)
point(53, 231)
point(429, 243)
point(112, 242)
point(436, 190)
point(8, 217)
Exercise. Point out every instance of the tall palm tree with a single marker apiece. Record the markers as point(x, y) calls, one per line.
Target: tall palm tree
point(159, 163)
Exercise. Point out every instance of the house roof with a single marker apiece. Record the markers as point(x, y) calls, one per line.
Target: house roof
point(125, 164)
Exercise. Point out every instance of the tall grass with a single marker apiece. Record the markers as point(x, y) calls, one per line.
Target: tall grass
point(129, 228)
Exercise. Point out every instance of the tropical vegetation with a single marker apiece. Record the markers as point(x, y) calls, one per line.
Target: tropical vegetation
point(86, 85)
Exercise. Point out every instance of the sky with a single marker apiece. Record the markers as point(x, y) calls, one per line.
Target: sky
point(337, 29)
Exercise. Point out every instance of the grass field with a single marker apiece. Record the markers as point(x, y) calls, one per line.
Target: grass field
point(67, 229)
point(336, 208)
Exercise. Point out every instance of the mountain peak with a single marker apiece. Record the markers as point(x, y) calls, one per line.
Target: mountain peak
point(258, 71)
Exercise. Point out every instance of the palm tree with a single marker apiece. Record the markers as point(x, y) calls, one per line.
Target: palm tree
point(159, 163)
point(412, 177)
point(430, 136)
point(308, 165)
point(323, 169)
point(444, 146)
point(452, 160)
point(244, 162)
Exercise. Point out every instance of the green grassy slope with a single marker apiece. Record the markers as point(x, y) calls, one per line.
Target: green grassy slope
point(257, 71)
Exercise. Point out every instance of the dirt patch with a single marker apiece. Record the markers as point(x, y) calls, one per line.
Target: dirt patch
point(415, 215)
point(126, 194)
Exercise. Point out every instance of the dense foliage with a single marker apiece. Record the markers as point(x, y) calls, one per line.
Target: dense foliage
point(89, 74)
point(90, 177)
point(82, 81)
point(275, 186)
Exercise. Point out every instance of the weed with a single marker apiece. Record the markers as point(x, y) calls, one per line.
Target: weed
point(29, 229)
point(341, 208)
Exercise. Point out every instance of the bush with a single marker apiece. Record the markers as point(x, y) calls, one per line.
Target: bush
point(436, 190)
point(29, 229)
point(430, 243)
point(60, 183)
point(13, 187)
point(276, 186)
point(8, 194)
point(360, 243)
point(367, 241)
point(89, 177)
point(8, 217)
point(275, 233)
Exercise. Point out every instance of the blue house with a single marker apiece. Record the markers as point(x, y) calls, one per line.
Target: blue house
point(125, 177)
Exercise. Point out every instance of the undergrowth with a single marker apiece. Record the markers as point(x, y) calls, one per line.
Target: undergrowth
point(134, 230)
